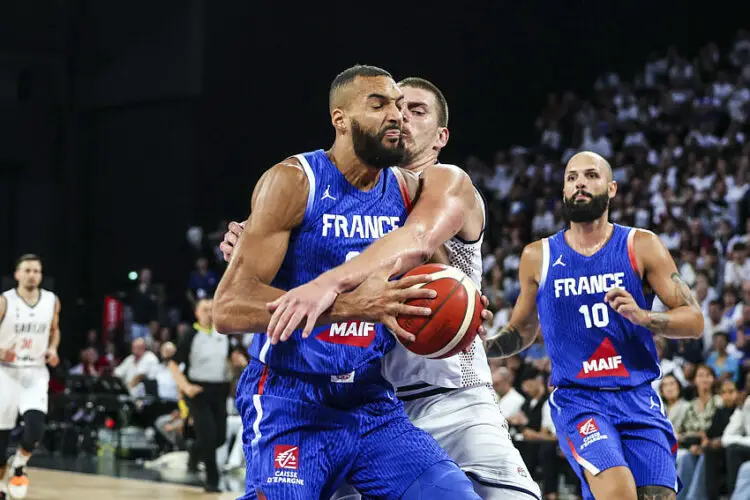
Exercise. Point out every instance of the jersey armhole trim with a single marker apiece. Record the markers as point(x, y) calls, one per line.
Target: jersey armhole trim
point(403, 188)
point(545, 264)
point(311, 181)
point(631, 252)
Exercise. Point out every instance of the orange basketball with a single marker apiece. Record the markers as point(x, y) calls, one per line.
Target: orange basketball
point(456, 313)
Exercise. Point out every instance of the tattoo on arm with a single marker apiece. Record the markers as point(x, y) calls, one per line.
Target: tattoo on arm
point(658, 323)
point(656, 493)
point(683, 293)
point(507, 343)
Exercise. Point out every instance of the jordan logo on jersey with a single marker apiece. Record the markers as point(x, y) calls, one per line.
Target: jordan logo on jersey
point(605, 362)
point(353, 333)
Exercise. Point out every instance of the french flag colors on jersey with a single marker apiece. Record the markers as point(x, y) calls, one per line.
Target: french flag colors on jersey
point(589, 343)
point(340, 222)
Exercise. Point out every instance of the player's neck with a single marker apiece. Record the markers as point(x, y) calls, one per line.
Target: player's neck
point(588, 237)
point(418, 164)
point(28, 294)
point(357, 173)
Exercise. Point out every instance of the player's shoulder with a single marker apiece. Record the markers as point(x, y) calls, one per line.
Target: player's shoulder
point(289, 168)
point(449, 169)
point(644, 239)
point(285, 180)
point(533, 251)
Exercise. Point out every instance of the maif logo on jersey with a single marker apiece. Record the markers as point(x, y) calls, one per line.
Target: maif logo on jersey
point(605, 362)
point(590, 433)
point(353, 333)
point(286, 464)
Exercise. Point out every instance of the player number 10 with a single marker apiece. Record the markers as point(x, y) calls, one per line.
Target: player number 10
point(598, 313)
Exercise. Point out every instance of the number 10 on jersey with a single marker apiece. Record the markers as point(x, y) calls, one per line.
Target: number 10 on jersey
point(596, 315)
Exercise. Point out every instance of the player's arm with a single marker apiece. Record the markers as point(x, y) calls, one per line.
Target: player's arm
point(5, 354)
point(521, 330)
point(684, 318)
point(51, 356)
point(242, 296)
point(445, 201)
point(277, 206)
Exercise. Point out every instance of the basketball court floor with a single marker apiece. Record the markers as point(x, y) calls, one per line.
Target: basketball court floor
point(88, 478)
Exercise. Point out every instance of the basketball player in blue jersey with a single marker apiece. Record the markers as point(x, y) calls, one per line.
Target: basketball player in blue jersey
point(590, 287)
point(451, 399)
point(316, 411)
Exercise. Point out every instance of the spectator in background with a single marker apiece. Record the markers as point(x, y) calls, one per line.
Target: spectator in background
point(714, 322)
point(138, 366)
point(725, 367)
point(675, 405)
point(87, 366)
point(737, 270)
point(668, 366)
point(108, 360)
point(736, 441)
point(510, 400)
point(143, 306)
point(202, 283)
point(692, 431)
point(707, 483)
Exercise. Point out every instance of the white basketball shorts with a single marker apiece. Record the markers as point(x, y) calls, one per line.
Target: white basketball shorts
point(22, 389)
point(468, 425)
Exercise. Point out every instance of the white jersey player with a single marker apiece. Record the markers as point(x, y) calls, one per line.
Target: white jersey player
point(452, 398)
point(29, 336)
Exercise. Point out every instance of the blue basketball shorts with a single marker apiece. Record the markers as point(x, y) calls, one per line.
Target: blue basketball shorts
point(305, 435)
point(600, 429)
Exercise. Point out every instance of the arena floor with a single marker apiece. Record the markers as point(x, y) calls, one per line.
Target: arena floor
point(49, 484)
point(87, 478)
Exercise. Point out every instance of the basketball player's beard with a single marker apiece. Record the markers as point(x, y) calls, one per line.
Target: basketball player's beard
point(587, 211)
point(371, 150)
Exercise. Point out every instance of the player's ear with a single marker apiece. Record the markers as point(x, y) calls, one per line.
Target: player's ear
point(443, 136)
point(612, 189)
point(338, 120)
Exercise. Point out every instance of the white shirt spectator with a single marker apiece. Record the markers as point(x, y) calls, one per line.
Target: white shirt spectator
point(547, 423)
point(543, 223)
point(735, 274)
point(722, 90)
point(602, 145)
point(130, 368)
point(702, 183)
point(634, 139)
point(165, 383)
point(671, 240)
point(511, 403)
point(737, 430)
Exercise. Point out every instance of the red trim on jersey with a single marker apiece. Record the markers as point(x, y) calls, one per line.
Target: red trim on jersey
point(263, 378)
point(404, 189)
point(631, 252)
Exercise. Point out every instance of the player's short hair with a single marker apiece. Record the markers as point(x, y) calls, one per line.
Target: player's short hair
point(739, 247)
point(28, 257)
point(420, 83)
point(347, 76)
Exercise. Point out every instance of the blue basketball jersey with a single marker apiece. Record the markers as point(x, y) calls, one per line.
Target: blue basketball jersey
point(340, 222)
point(589, 344)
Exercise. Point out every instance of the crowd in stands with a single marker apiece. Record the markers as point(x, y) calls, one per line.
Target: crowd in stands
point(676, 137)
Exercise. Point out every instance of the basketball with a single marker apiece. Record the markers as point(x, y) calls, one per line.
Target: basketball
point(456, 313)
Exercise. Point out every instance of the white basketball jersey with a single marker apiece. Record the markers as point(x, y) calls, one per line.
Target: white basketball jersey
point(26, 327)
point(414, 375)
